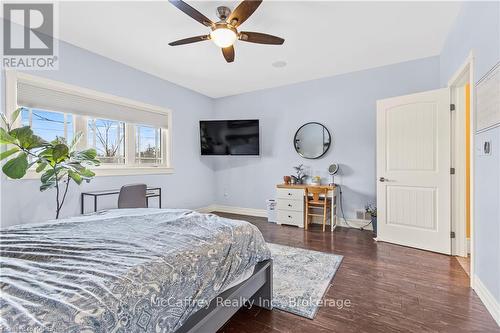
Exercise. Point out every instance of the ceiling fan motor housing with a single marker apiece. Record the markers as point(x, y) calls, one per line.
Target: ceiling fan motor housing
point(223, 12)
point(224, 25)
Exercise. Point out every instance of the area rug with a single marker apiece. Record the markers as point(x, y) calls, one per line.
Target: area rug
point(301, 278)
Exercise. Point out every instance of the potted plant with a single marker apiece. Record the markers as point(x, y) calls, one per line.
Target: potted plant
point(56, 161)
point(300, 175)
point(372, 210)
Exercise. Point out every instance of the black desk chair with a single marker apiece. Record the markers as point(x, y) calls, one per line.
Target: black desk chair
point(132, 196)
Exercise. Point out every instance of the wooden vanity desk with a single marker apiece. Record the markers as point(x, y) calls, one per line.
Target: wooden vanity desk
point(291, 204)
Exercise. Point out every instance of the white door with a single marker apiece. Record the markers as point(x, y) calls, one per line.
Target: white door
point(413, 170)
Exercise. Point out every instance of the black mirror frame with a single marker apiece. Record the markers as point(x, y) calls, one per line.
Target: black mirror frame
point(325, 150)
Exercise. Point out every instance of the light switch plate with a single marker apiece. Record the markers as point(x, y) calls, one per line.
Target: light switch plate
point(484, 148)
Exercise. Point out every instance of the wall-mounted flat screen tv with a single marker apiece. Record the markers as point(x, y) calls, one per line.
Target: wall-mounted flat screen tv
point(229, 137)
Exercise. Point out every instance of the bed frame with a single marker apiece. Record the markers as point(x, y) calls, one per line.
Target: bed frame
point(257, 289)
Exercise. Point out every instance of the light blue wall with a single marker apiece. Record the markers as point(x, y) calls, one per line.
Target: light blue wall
point(21, 201)
point(487, 212)
point(477, 28)
point(344, 103)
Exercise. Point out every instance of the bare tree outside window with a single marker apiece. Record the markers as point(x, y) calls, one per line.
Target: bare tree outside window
point(108, 138)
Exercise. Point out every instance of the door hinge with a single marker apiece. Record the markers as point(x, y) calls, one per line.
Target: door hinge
point(452, 234)
point(452, 107)
point(452, 171)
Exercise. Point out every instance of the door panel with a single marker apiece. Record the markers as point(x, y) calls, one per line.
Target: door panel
point(411, 206)
point(413, 170)
point(411, 137)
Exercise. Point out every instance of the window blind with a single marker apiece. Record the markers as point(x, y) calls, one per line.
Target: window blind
point(35, 96)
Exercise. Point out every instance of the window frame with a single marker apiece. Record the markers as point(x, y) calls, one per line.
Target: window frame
point(12, 78)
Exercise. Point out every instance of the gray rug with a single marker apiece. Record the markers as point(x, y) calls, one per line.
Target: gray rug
point(301, 278)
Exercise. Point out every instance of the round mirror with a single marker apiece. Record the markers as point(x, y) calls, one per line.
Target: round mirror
point(312, 140)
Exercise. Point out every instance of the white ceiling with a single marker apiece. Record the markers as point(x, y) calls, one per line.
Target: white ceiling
point(322, 39)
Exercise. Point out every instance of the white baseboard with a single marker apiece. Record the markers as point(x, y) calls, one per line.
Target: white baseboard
point(487, 298)
point(206, 209)
point(263, 213)
point(354, 223)
point(233, 210)
point(241, 210)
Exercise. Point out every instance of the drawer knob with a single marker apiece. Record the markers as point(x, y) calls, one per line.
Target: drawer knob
point(289, 217)
point(289, 193)
point(289, 205)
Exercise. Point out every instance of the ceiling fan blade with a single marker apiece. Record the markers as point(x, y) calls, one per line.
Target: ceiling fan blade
point(241, 13)
point(228, 53)
point(190, 11)
point(260, 38)
point(190, 40)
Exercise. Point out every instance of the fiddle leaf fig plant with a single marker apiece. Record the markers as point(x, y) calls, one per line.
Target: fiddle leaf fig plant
point(57, 161)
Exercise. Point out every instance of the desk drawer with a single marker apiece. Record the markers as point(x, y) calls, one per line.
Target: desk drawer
point(286, 204)
point(292, 194)
point(291, 217)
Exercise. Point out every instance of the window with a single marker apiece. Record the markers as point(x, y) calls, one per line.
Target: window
point(48, 124)
point(148, 145)
point(130, 137)
point(108, 138)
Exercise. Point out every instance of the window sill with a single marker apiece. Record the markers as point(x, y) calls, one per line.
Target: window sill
point(128, 171)
point(115, 171)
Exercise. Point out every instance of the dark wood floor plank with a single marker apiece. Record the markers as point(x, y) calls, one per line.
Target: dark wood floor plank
point(391, 288)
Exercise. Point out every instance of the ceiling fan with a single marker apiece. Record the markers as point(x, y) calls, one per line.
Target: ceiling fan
point(224, 32)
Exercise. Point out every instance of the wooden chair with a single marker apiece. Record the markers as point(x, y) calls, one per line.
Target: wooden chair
point(314, 201)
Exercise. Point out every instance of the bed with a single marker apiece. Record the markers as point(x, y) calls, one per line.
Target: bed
point(131, 270)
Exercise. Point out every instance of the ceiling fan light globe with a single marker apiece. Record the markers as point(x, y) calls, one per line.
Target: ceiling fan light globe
point(223, 37)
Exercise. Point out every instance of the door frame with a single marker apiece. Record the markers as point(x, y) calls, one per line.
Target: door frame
point(464, 75)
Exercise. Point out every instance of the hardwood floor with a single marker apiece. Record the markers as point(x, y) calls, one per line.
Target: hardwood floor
point(391, 288)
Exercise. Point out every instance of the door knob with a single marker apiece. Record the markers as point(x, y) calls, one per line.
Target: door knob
point(382, 179)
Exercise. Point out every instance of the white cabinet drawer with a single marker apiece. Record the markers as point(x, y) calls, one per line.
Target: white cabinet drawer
point(292, 194)
point(291, 217)
point(286, 204)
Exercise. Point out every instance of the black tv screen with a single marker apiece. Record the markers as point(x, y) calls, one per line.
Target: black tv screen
point(229, 137)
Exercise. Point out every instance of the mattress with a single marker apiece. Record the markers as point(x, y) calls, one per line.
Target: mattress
point(240, 279)
point(128, 270)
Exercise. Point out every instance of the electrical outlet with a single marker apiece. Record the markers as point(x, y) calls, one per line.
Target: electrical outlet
point(362, 215)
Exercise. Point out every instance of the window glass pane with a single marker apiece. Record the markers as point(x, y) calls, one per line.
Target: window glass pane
point(48, 124)
point(25, 117)
point(69, 128)
point(148, 147)
point(108, 138)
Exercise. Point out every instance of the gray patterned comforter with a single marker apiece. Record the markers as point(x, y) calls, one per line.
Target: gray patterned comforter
point(129, 270)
